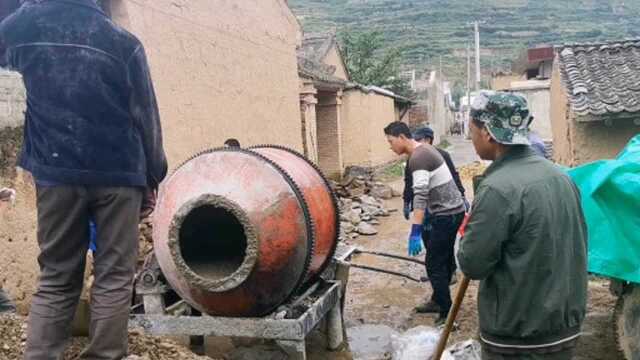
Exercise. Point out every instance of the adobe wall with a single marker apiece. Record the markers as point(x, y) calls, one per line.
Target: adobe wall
point(221, 69)
point(364, 116)
point(539, 102)
point(561, 117)
point(333, 58)
point(596, 141)
point(18, 242)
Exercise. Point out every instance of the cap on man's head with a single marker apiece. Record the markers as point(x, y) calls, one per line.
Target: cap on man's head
point(423, 133)
point(505, 115)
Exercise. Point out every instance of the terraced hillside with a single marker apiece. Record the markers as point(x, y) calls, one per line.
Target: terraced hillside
point(429, 29)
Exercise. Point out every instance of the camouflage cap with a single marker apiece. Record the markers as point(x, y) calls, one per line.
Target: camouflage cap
point(505, 115)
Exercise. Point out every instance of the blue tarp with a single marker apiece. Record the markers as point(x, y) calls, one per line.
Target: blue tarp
point(611, 202)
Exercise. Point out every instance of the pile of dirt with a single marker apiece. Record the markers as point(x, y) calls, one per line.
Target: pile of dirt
point(10, 144)
point(12, 337)
point(145, 240)
point(467, 172)
point(141, 347)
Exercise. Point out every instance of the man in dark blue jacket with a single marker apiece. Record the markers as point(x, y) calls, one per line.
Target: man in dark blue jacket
point(93, 144)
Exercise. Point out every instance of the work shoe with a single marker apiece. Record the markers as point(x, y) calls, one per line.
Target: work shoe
point(428, 307)
point(442, 320)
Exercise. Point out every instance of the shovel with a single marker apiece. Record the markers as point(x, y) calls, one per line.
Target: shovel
point(453, 314)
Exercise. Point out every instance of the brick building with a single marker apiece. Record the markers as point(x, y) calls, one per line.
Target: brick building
point(342, 121)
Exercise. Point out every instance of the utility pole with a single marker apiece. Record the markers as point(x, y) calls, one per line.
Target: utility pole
point(468, 110)
point(477, 33)
point(440, 75)
point(468, 74)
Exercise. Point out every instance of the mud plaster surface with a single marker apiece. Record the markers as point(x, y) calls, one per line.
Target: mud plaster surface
point(251, 252)
point(10, 145)
point(18, 243)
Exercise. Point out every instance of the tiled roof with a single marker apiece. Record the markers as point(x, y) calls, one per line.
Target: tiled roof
point(318, 71)
point(315, 46)
point(602, 79)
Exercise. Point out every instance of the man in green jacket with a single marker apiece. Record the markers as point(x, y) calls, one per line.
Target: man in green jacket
point(526, 240)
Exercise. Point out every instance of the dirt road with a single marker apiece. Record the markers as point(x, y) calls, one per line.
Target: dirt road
point(379, 303)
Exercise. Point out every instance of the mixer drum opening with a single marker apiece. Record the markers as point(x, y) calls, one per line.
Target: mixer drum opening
point(212, 242)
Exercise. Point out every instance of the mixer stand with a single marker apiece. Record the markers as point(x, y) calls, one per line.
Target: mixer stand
point(321, 304)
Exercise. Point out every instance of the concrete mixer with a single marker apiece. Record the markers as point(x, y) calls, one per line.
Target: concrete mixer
point(238, 232)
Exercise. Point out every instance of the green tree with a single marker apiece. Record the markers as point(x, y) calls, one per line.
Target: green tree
point(369, 64)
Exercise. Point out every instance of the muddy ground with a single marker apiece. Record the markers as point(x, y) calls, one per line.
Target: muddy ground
point(379, 299)
point(377, 305)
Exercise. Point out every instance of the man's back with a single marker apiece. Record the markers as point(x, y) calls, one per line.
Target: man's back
point(528, 227)
point(85, 82)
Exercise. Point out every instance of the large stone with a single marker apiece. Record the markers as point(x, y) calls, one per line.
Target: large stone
point(366, 229)
point(347, 227)
point(368, 210)
point(369, 200)
point(382, 192)
point(356, 171)
point(353, 216)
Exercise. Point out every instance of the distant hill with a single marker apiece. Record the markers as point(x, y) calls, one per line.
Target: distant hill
point(430, 29)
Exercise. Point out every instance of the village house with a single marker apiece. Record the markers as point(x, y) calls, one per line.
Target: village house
point(434, 106)
point(530, 76)
point(221, 70)
point(342, 121)
point(595, 108)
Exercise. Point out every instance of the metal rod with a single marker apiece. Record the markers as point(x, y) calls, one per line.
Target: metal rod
point(393, 256)
point(363, 267)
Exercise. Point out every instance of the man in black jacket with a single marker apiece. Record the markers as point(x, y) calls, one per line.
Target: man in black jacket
point(425, 135)
point(93, 144)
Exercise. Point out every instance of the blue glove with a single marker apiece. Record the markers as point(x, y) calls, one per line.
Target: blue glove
point(467, 206)
point(92, 236)
point(407, 210)
point(415, 240)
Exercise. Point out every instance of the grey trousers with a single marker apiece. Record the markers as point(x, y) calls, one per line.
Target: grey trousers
point(6, 305)
point(566, 354)
point(63, 237)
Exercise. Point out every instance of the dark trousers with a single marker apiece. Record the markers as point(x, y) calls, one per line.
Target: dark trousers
point(6, 305)
point(440, 239)
point(566, 354)
point(425, 240)
point(63, 236)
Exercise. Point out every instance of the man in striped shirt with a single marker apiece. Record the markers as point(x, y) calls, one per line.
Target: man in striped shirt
point(435, 191)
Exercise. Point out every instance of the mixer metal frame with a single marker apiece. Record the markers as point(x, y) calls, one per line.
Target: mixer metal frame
point(323, 305)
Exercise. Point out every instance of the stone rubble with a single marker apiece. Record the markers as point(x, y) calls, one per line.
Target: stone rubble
point(361, 200)
point(141, 347)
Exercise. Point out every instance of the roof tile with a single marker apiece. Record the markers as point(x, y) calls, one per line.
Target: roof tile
point(602, 79)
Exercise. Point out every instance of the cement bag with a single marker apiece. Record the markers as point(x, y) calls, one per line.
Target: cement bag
point(611, 202)
point(418, 343)
point(466, 350)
